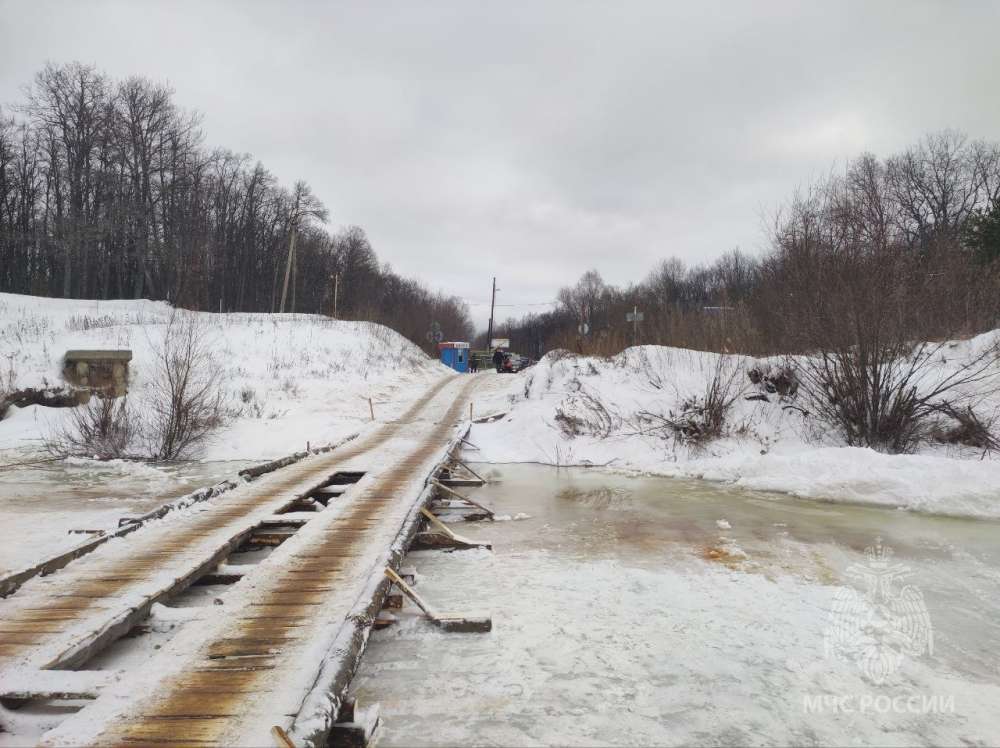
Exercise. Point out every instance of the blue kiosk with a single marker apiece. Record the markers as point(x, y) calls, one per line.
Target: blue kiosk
point(455, 355)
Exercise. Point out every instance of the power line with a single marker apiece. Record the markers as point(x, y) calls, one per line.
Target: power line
point(534, 303)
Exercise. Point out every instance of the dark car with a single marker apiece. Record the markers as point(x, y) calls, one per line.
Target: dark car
point(513, 362)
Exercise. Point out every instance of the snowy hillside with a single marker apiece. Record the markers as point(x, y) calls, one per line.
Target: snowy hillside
point(287, 379)
point(578, 410)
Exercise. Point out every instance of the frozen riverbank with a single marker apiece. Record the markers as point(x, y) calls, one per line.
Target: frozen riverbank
point(572, 410)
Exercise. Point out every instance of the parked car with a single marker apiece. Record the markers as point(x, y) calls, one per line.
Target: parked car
point(515, 362)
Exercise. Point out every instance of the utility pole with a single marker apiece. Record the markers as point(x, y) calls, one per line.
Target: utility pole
point(295, 278)
point(288, 266)
point(493, 301)
point(336, 289)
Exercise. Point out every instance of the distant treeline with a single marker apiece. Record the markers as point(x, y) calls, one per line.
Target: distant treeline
point(903, 246)
point(108, 191)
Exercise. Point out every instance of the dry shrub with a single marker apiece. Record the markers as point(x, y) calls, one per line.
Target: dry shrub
point(8, 379)
point(966, 427)
point(583, 413)
point(185, 395)
point(704, 416)
point(105, 428)
point(889, 395)
point(858, 303)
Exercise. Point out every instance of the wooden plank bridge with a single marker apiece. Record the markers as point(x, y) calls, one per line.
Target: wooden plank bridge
point(281, 647)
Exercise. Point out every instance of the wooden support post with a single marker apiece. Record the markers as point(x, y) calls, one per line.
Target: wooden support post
point(460, 497)
point(371, 408)
point(470, 410)
point(355, 727)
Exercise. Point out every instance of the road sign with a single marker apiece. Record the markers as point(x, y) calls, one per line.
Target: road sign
point(500, 343)
point(435, 335)
point(635, 317)
point(583, 328)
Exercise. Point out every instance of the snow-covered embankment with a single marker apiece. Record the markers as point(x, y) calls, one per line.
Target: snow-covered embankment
point(584, 410)
point(286, 378)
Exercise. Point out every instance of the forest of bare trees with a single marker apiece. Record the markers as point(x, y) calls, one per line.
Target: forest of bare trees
point(108, 191)
point(906, 247)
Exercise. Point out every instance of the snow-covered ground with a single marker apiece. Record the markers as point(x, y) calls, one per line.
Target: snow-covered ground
point(287, 379)
point(571, 410)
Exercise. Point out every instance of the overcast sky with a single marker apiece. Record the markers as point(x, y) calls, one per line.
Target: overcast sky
point(531, 140)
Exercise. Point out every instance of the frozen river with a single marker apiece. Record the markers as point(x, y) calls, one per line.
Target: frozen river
point(641, 611)
point(41, 505)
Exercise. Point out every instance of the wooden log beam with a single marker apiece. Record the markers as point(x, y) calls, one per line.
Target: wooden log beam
point(460, 497)
point(436, 541)
point(462, 482)
point(447, 531)
point(21, 685)
point(317, 715)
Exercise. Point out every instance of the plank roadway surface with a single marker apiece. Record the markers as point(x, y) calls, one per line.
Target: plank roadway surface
point(248, 664)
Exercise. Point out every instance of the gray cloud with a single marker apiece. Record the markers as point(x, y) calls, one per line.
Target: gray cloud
point(535, 140)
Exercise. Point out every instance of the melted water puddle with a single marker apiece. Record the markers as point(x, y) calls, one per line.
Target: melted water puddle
point(40, 505)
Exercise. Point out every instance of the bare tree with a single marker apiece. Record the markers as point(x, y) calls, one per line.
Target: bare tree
point(185, 399)
point(108, 191)
point(69, 104)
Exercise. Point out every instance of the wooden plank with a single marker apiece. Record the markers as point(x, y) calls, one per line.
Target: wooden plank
point(436, 541)
point(177, 729)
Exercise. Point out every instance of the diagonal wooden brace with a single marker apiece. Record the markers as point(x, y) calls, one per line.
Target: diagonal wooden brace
point(446, 622)
point(470, 470)
point(489, 512)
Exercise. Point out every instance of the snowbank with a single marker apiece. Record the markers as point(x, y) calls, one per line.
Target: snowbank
point(581, 410)
point(287, 378)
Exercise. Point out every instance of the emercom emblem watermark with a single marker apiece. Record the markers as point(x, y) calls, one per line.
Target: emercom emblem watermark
point(883, 623)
